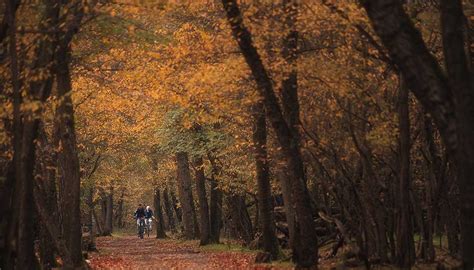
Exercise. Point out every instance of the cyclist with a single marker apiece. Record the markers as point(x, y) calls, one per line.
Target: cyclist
point(148, 216)
point(140, 217)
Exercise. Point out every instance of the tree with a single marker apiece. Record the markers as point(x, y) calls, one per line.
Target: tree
point(447, 98)
point(406, 245)
point(204, 224)
point(185, 195)
point(304, 249)
point(267, 223)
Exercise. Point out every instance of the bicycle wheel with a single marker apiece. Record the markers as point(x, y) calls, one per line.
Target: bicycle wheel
point(141, 230)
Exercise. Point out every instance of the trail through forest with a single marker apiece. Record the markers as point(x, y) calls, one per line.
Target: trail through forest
point(315, 134)
point(129, 252)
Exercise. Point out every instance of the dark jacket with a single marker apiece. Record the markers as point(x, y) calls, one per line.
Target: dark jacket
point(148, 214)
point(140, 212)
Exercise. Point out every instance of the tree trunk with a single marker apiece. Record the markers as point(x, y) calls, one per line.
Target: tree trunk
point(103, 214)
point(405, 243)
point(305, 247)
point(185, 195)
point(119, 213)
point(264, 192)
point(91, 218)
point(68, 161)
point(452, 228)
point(461, 76)
point(448, 100)
point(109, 211)
point(203, 205)
point(288, 203)
point(434, 171)
point(45, 164)
point(241, 224)
point(24, 175)
point(160, 228)
point(177, 210)
point(8, 207)
point(216, 203)
point(169, 210)
point(25, 130)
point(100, 229)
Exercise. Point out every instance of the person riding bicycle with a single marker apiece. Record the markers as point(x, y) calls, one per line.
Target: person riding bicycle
point(148, 216)
point(140, 217)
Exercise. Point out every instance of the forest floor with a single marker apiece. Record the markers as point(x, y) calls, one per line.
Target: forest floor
point(129, 252)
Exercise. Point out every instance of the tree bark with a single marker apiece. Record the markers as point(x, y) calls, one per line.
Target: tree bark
point(423, 75)
point(119, 213)
point(203, 205)
point(25, 130)
point(434, 173)
point(45, 164)
point(160, 228)
point(91, 217)
point(177, 210)
point(448, 100)
point(169, 210)
point(109, 211)
point(265, 207)
point(68, 161)
point(405, 242)
point(241, 225)
point(457, 58)
point(185, 195)
point(103, 213)
point(216, 203)
point(305, 246)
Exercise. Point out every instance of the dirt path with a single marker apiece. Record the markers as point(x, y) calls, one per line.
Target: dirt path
point(129, 252)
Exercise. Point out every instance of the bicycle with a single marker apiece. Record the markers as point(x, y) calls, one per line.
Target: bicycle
point(141, 227)
point(148, 222)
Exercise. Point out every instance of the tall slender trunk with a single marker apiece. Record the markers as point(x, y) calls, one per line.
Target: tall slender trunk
point(405, 243)
point(119, 213)
point(25, 133)
point(169, 210)
point(160, 227)
point(177, 210)
point(241, 224)
point(20, 224)
point(203, 205)
point(8, 205)
point(461, 80)
point(103, 213)
point(305, 247)
point(45, 164)
point(216, 203)
point(434, 171)
point(448, 99)
point(90, 217)
point(265, 207)
point(109, 211)
point(24, 175)
point(68, 161)
point(288, 204)
point(185, 195)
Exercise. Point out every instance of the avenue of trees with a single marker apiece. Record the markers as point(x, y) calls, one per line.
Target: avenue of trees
point(309, 130)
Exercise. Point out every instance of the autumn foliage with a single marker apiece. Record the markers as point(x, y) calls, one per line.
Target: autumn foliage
point(318, 132)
